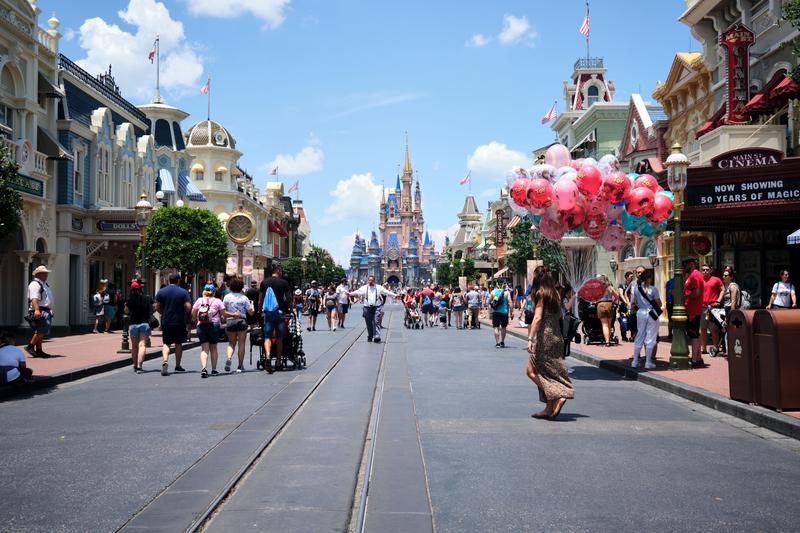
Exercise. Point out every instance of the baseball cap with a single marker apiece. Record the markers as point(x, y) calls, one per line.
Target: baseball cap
point(209, 287)
point(135, 284)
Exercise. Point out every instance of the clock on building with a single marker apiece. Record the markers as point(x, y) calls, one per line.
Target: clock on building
point(241, 227)
point(393, 254)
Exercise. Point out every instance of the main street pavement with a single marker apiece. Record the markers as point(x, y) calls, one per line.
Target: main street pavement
point(429, 431)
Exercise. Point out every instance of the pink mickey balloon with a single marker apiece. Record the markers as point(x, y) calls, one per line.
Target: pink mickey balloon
point(614, 211)
point(519, 192)
point(640, 202)
point(613, 237)
point(557, 155)
point(553, 230)
point(566, 194)
point(540, 193)
point(589, 180)
point(594, 226)
point(662, 207)
point(576, 164)
point(595, 205)
point(616, 187)
point(574, 217)
point(646, 180)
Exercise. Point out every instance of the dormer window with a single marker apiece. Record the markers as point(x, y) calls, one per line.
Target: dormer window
point(634, 135)
point(592, 96)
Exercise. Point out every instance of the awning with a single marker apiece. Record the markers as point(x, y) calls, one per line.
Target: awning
point(48, 145)
point(500, 273)
point(590, 138)
point(48, 89)
point(197, 167)
point(222, 169)
point(787, 88)
point(165, 183)
point(275, 227)
point(188, 189)
point(714, 122)
point(655, 165)
point(516, 219)
point(762, 101)
point(794, 238)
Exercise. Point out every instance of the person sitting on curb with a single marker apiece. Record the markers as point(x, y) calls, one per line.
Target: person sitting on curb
point(13, 369)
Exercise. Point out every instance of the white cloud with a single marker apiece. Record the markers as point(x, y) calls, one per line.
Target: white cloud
point(488, 193)
point(341, 249)
point(477, 41)
point(272, 12)
point(366, 101)
point(495, 160)
point(306, 161)
point(69, 35)
point(107, 44)
point(516, 30)
point(356, 197)
point(438, 235)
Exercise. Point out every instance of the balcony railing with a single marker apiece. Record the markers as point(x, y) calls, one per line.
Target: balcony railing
point(15, 152)
point(47, 40)
point(588, 63)
point(87, 79)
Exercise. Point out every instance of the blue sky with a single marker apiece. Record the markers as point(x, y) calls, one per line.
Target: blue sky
point(325, 89)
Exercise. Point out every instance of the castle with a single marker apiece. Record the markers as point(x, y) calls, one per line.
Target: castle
point(397, 253)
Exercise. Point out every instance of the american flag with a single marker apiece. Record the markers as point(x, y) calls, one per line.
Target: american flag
point(152, 53)
point(204, 88)
point(466, 179)
point(274, 172)
point(550, 115)
point(293, 187)
point(584, 30)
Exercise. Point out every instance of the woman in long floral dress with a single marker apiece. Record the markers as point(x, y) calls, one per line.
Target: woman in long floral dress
point(546, 366)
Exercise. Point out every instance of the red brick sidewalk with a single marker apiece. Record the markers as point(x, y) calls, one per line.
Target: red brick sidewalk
point(82, 352)
point(712, 378)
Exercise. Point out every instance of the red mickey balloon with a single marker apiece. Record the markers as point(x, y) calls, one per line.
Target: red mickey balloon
point(539, 193)
point(662, 207)
point(640, 202)
point(646, 180)
point(574, 217)
point(595, 226)
point(519, 192)
point(589, 180)
point(616, 187)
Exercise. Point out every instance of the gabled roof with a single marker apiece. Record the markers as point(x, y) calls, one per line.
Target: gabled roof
point(470, 206)
point(683, 66)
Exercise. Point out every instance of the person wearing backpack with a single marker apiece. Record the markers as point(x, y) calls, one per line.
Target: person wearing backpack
point(313, 305)
point(500, 304)
point(458, 305)
point(274, 303)
point(208, 311)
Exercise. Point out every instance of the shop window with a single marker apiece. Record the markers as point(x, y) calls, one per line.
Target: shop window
point(7, 116)
point(199, 174)
point(649, 248)
point(218, 175)
point(592, 96)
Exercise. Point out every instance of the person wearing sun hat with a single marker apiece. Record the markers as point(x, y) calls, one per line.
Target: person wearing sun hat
point(40, 310)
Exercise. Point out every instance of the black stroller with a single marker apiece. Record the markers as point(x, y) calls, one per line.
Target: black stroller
point(590, 324)
point(718, 317)
point(292, 346)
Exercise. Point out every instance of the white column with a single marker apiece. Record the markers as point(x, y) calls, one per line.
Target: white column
point(25, 257)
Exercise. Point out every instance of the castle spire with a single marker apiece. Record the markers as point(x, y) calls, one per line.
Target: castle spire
point(407, 165)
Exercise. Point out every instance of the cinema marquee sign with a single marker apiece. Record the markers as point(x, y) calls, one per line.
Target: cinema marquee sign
point(747, 158)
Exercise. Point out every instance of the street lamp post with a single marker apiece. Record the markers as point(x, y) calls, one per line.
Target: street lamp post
point(677, 164)
point(614, 267)
point(463, 264)
point(322, 275)
point(256, 254)
point(144, 211)
point(492, 258)
point(304, 262)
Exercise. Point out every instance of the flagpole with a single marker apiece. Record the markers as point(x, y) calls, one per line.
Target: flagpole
point(587, 33)
point(209, 97)
point(158, 68)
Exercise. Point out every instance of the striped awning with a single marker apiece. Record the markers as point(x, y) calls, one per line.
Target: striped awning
point(187, 188)
point(794, 238)
point(516, 219)
point(165, 183)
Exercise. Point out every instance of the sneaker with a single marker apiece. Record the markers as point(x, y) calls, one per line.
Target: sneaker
point(42, 354)
point(214, 372)
point(228, 365)
point(314, 329)
point(308, 328)
point(204, 373)
point(502, 344)
point(95, 331)
point(497, 345)
point(698, 364)
point(369, 339)
point(334, 328)
point(180, 369)
point(165, 369)
point(240, 370)
point(650, 366)
point(635, 363)
point(140, 370)
point(376, 340)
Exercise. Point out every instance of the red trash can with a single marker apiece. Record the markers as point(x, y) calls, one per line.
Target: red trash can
point(741, 363)
point(776, 346)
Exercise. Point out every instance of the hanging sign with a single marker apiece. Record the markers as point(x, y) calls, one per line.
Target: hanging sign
point(737, 41)
point(115, 225)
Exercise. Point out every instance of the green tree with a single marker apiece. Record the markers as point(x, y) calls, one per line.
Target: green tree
point(316, 259)
point(443, 273)
point(186, 239)
point(550, 252)
point(791, 14)
point(10, 199)
point(521, 245)
point(469, 269)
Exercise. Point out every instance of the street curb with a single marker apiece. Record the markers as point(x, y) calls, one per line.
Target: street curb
point(80, 373)
point(760, 416)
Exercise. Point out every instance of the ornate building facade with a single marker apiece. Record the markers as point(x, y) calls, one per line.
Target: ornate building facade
point(397, 253)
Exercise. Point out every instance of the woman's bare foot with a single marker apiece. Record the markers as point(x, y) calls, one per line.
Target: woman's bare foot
point(559, 404)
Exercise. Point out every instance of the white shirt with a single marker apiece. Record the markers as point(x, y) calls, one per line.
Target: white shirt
point(783, 294)
point(11, 356)
point(342, 294)
point(372, 294)
point(35, 292)
point(640, 301)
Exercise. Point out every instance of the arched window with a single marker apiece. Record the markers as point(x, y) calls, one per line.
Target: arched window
point(163, 136)
point(627, 253)
point(592, 95)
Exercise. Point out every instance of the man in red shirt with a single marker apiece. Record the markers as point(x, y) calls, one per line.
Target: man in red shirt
point(713, 290)
point(693, 301)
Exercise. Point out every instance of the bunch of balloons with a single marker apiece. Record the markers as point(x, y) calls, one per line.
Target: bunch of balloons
point(593, 197)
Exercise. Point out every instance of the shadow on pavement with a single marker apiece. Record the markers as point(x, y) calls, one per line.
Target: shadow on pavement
point(589, 373)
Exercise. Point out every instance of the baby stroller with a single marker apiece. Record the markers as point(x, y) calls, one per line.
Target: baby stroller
point(413, 317)
point(718, 318)
point(292, 346)
point(590, 324)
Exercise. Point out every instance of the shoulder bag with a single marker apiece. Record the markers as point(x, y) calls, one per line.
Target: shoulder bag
point(654, 311)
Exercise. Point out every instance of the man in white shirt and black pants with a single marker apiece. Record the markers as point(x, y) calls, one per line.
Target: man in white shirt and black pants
point(40, 302)
point(371, 293)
